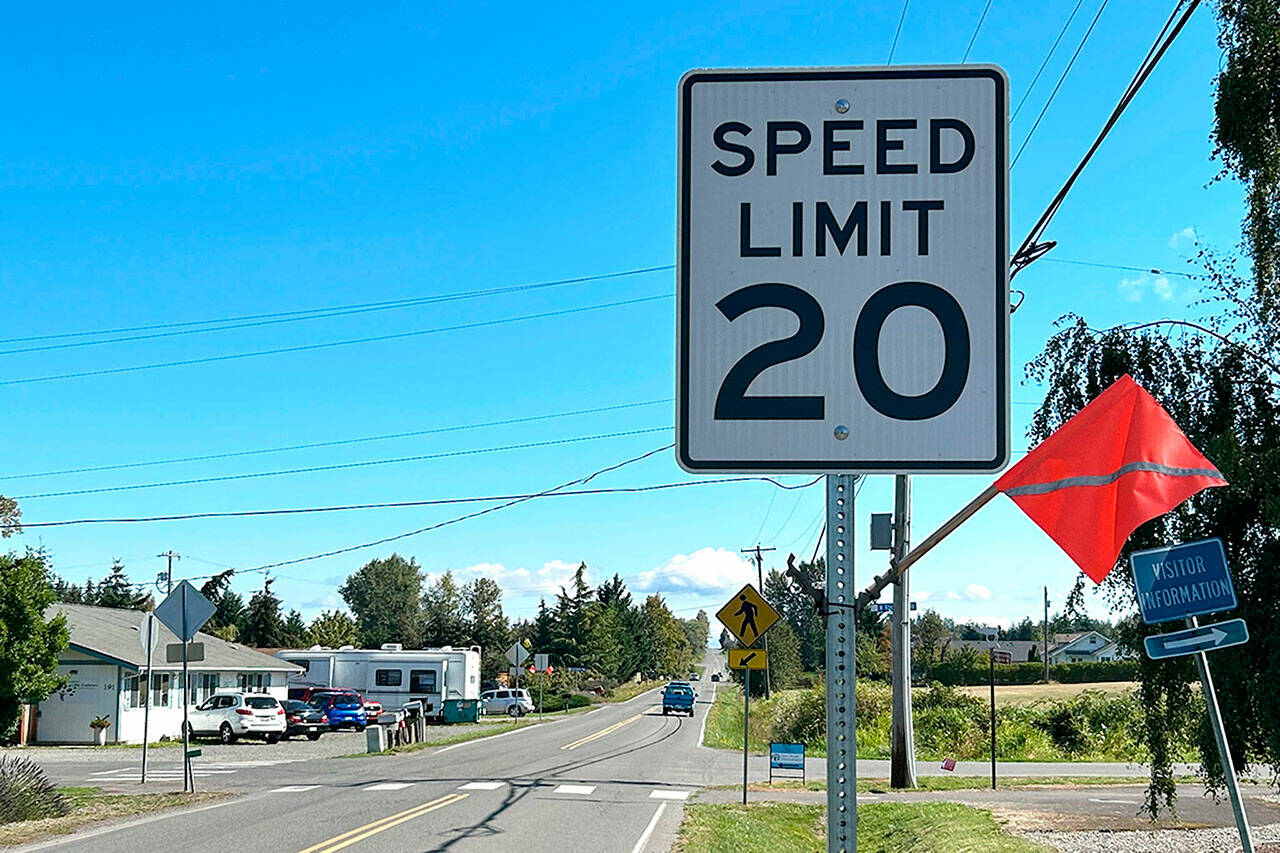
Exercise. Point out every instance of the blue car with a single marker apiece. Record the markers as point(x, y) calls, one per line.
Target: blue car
point(343, 708)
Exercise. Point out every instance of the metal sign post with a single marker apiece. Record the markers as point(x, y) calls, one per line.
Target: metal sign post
point(842, 759)
point(746, 725)
point(149, 643)
point(1185, 581)
point(188, 781)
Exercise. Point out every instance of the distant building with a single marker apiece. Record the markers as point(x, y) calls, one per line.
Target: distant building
point(103, 666)
point(1081, 647)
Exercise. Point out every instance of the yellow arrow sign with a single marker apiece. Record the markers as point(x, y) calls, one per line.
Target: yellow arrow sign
point(748, 659)
point(747, 615)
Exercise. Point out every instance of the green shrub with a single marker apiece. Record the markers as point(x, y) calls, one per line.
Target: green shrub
point(26, 793)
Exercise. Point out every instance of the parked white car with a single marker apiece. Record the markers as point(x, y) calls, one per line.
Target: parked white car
point(513, 703)
point(230, 716)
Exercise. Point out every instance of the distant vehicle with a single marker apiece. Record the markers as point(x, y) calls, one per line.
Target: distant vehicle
point(231, 716)
point(342, 708)
point(304, 719)
point(446, 681)
point(677, 698)
point(372, 708)
point(693, 676)
point(715, 676)
point(513, 703)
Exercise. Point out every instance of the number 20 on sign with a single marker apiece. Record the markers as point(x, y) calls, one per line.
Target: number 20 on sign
point(842, 270)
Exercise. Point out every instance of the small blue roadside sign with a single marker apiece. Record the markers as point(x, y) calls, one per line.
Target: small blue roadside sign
point(786, 756)
point(1204, 638)
point(1182, 580)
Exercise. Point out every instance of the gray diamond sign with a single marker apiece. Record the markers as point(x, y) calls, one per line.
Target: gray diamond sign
point(184, 611)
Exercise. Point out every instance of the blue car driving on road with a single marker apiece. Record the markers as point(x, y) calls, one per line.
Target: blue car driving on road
point(342, 707)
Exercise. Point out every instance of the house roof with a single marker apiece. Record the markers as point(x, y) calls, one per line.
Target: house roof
point(1019, 649)
point(113, 633)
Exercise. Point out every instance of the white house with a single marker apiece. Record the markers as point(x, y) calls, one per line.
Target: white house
point(1084, 647)
point(103, 665)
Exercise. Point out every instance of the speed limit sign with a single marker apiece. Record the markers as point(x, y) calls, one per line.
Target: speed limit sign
point(843, 270)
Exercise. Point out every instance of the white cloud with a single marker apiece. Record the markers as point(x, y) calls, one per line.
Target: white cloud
point(1187, 234)
point(707, 570)
point(519, 582)
point(1133, 289)
point(921, 595)
point(952, 595)
point(976, 591)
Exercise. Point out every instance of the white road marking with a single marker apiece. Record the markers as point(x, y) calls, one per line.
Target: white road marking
point(480, 786)
point(388, 786)
point(294, 789)
point(1118, 802)
point(648, 830)
point(574, 789)
point(702, 730)
point(489, 737)
point(668, 794)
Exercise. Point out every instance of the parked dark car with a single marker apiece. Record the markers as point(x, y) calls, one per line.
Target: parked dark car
point(304, 719)
point(344, 708)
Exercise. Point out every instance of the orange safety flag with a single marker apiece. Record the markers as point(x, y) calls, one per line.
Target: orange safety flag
point(1119, 462)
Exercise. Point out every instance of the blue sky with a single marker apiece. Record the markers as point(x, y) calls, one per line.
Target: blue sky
point(167, 165)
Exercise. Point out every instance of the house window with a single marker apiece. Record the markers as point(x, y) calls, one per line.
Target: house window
point(253, 682)
point(161, 682)
point(204, 685)
point(422, 681)
point(135, 691)
point(387, 677)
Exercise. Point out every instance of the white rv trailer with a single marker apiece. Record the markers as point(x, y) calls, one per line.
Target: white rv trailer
point(446, 680)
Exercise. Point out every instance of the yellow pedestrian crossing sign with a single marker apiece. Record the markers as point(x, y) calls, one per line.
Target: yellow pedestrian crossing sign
point(748, 659)
point(747, 615)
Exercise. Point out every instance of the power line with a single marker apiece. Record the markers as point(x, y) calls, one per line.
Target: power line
point(344, 465)
point(273, 318)
point(1031, 248)
point(620, 490)
point(1046, 59)
point(897, 32)
point(341, 343)
point(976, 30)
point(336, 442)
point(1126, 267)
point(1058, 85)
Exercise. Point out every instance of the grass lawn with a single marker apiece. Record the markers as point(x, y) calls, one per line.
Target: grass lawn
point(1025, 694)
point(90, 805)
point(882, 828)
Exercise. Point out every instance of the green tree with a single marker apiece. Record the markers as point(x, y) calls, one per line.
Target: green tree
point(116, 590)
point(229, 606)
point(263, 626)
point(29, 642)
point(444, 613)
point(575, 611)
point(784, 657)
point(295, 633)
point(384, 598)
point(332, 629)
point(799, 611)
point(666, 651)
point(10, 517)
point(931, 639)
point(487, 625)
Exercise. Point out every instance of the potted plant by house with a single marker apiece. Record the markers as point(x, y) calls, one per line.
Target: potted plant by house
point(100, 726)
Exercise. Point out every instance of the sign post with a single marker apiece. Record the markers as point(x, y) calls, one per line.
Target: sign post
point(517, 654)
point(184, 612)
point(842, 271)
point(148, 636)
point(747, 616)
point(1183, 582)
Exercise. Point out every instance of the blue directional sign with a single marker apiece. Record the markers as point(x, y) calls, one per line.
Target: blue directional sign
point(1205, 638)
point(1182, 580)
point(887, 606)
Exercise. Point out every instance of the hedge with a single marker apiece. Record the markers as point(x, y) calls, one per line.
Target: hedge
point(956, 673)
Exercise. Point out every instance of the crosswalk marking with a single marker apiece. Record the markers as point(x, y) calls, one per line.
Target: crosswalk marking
point(294, 789)
point(480, 786)
point(388, 786)
point(661, 794)
point(574, 789)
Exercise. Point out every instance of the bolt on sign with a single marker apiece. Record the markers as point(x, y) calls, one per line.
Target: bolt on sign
point(843, 299)
point(747, 615)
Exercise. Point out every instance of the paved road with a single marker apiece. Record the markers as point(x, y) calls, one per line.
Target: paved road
point(609, 780)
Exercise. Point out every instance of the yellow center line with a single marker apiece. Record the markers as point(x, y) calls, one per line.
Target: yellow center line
point(599, 734)
point(360, 833)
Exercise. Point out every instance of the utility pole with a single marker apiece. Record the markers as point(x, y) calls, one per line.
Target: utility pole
point(759, 552)
point(1046, 635)
point(902, 765)
point(168, 575)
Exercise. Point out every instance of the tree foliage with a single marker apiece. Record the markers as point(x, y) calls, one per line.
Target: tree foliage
point(29, 644)
point(384, 597)
point(262, 625)
point(332, 629)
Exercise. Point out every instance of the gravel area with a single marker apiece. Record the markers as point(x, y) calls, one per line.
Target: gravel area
point(1157, 841)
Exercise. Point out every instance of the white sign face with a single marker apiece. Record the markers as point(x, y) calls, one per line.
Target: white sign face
point(843, 270)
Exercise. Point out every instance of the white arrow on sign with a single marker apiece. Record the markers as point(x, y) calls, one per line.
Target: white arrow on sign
point(1214, 634)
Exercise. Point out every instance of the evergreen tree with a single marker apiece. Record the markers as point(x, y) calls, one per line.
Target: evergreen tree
point(487, 625)
point(444, 614)
point(263, 627)
point(117, 591)
point(295, 631)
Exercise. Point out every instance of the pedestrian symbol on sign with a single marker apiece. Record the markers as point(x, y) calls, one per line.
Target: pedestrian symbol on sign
point(747, 615)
